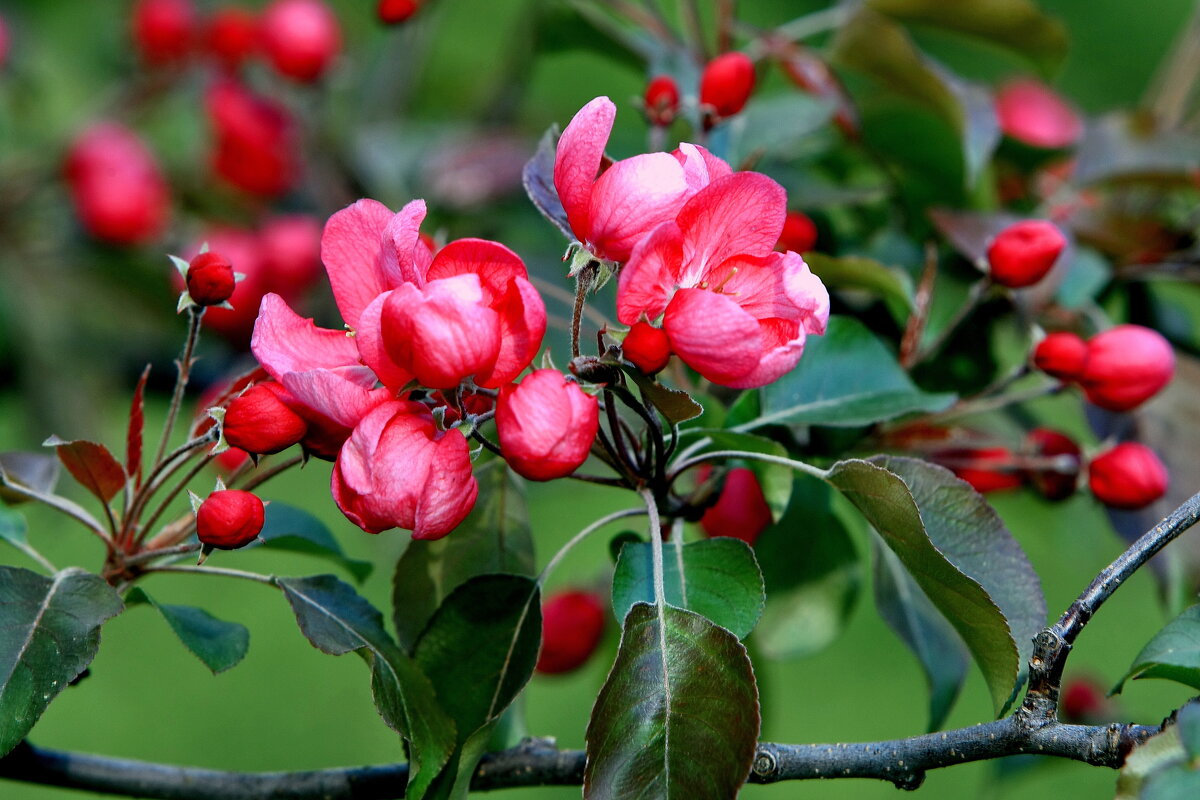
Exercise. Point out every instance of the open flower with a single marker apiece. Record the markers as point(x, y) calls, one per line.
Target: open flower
point(733, 309)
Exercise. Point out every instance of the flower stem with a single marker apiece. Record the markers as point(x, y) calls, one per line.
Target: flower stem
point(583, 534)
point(799, 466)
point(184, 367)
point(224, 572)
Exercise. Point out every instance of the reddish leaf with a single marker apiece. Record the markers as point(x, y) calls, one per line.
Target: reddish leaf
point(92, 465)
point(137, 424)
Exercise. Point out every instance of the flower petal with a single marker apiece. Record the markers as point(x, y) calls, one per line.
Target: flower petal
point(577, 160)
point(330, 394)
point(632, 198)
point(700, 167)
point(713, 335)
point(285, 342)
point(352, 251)
point(649, 278)
point(495, 264)
point(448, 491)
point(369, 337)
point(740, 213)
point(522, 326)
point(783, 344)
point(405, 257)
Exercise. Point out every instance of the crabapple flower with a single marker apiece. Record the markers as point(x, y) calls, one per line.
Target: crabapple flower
point(1024, 252)
point(1126, 366)
point(661, 100)
point(231, 36)
point(987, 469)
point(164, 30)
point(1061, 355)
point(726, 84)
point(733, 309)
point(647, 347)
point(799, 233)
point(117, 188)
point(229, 519)
point(1129, 476)
point(741, 510)
point(546, 425)
point(397, 470)
point(260, 420)
point(210, 279)
point(1054, 484)
point(256, 148)
point(1031, 112)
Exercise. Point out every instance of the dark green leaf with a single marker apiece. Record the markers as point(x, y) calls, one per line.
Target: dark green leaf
point(846, 378)
point(219, 644)
point(777, 125)
point(297, 531)
point(37, 471)
point(618, 542)
point(13, 528)
point(1173, 653)
point(746, 408)
point(911, 616)
point(775, 480)
point(336, 620)
point(676, 405)
point(864, 274)
point(49, 633)
point(90, 463)
point(678, 716)
point(717, 578)
point(495, 538)
point(957, 549)
point(811, 572)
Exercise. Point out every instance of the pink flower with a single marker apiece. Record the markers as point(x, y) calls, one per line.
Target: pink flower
point(733, 309)
point(546, 425)
point(398, 470)
point(611, 211)
point(301, 37)
point(1032, 113)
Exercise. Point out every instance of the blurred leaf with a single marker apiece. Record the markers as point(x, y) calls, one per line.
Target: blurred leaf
point(846, 378)
point(297, 531)
point(746, 408)
point(1086, 275)
point(92, 465)
point(678, 716)
point(865, 274)
point(494, 538)
point(676, 405)
point(775, 480)
point(1016, 24)
point(918, 623)
point(13, 528)
point(960, 553)
point(219, 644)
point(1155, 756)
point(970, 232)
point(1174, 783)
point(716, 578)
point(49, 633)
point(811, 572)
point(36, 471)
point(137, 425)
point(777, 125)
point(1121, 145)
point(1173, 653)
point(538, 180)
point(1187, 720)
point(336, 620)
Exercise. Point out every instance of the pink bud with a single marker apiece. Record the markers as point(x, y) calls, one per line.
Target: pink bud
point(741, 511)
point(1024, 252)
point(1032, 113)
point(572, 624)
point(255, 141)
point(300, 37)
point(259, 421)
point(291, 252)
point(726, 83)
point(210, 279)
point(647, 347)
point(1126, 366)
point(232, 36)
point(229, 519)
point(164, 30)
point(4, 43)
point(662, 100)
point(799, 233)
point(393, 12)
point(116, 186)
point(546, 425)
point(1129, 476)
point(1061, 355)
point(1054, 484)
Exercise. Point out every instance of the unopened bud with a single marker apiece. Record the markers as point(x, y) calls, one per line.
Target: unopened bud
point(1024, 252)
point(727, 83)
point(229, 519)
point(1129, 476)
point(662, 100)
point(210, 279)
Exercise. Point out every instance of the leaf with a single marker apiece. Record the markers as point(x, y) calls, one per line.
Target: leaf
point(49, 633)
point(1087, 275)
point(92, 465)
point(494, 538)
point(1122, 145)
point(716, 578)
point(336, 620)
point(538, 179)
point(137, 425)
point(297, 531)
point(970, 232)
point(1158, 755)
point(219, 644)
point(678, 716)
point(1173, 653)
point(13, 529)
point(846, 378)
point(778, 125)
point(957, 549)
point(811, 572)
point(864, 274)
point(36, 471)
point(676, 405)
point(911, 616)
point(1187, 720)
point(775, 480)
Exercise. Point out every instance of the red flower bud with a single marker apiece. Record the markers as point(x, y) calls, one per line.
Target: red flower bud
point(1024, 252)
point(232, 36)
point(1054, 484)
point(647, 347)
point(726, 83)
point(1061, 355)
point(259, 421)
point(164, 30)
point(1082, 701)
point(1129, 476)
point(210, 279)
point(1126, 366)
point(987, 469)
point(300, 37)
point(116, 186)
point(572, 624)
point(546, 425)
point(662, 100)
point(4, 43)
point(229, 519)
point(799, 233)
point(741, 511)
point(393, 12)
point(1031, 113)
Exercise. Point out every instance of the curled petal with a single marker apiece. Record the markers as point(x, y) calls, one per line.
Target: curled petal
point(807, 293)
point(632, 198)
point(285, 342)
point(352, 251)
point(782, 346)
point(372, 350)
point(522, 326)
point(713, 335)
point(649, 278)
point(405, 257)
point(742, 213)
point(700, 167)
point(577, 160)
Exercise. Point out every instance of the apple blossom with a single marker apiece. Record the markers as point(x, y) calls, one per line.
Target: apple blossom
point(1032, 113)
point(232, 36)
point(647, 347)
point(229, 519)
point(741, 510)
point(726, 84)
point(1128, 476)
point(1024, 252)
point(1126, 366)
point(260, 421)
point(1061, 355)
point(210, 279)
point(300, 37)
point(661, 100)
point(255, 147)
point(164, 30)
point(546, 425)
point(116, 185)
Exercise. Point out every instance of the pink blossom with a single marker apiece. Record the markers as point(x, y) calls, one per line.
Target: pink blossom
point(733, 309)
point(118, 190)
point(1033, 113)
point(546, 425)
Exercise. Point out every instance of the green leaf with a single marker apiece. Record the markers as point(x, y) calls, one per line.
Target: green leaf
point(297, 531)
point(538, 180)
point(13, 529)
point(336, 620)
point(49, 633)
point(960, 553)
point(865, 274)
point(1158, 755)
point(1187, 720)
point(494, 538)
point(674, 404)
point(1086, 276)
point(846, 378)
point(911, 616)
point(1173, 653)
point(1174, 783)
point(678, 716)
point(777, 125)
point(775, 480)
point(717, 578)
point(811, 572)
point(219, 644)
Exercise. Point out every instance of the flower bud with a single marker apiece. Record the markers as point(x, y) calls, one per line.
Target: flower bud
point(726, 84)
point(229, 519)
point(259, 421)
point(987, 469)
point(116, 186)
point(572, 624)
point(1024, 252)
point(4, 43)
point(546, 425)
point(647, 347)
point(393, 12)
point(1034, 115)
point(232, 36)
point(1129, 476)
point(799, 233)
point(1082, 701)
point(210, 279)
point(1058, 483)
point(1061, 355)
point(164, 30)
point(741, 511)
point(300, 37)
point(1126, 366)
point(662, 100)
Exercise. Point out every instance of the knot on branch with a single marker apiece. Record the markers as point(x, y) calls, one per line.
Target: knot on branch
point(765, 764)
